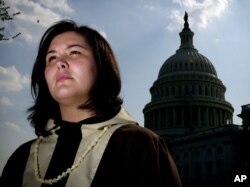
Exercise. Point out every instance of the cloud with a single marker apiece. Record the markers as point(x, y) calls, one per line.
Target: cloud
point(34, 15)
point(203, 12)
point(176, 19)
point(43, 10)
point(37, 14)
point(62, 5)
point(104, 34)
point(5, 101)
point(155, 8)
point(12, 80)
point(101, 32)
point(12, 126)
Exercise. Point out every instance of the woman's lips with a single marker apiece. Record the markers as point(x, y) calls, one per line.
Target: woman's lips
point(62, 77)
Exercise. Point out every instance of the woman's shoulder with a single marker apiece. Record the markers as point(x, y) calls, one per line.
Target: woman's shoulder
point(136, 131)
point(25, 147)
point(16, 162)
point(21, 153)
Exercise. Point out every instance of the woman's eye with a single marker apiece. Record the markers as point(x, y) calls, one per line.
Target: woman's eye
point(75, 53)
point(51, 58)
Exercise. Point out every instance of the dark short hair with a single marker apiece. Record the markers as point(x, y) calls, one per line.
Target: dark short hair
point(105, 93)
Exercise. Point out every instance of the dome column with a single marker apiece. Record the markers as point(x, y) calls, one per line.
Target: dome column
point(206, 117)
point(199, 116)
point(182, 117)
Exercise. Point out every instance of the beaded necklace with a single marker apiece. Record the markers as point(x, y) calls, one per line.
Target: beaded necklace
point(69, 170)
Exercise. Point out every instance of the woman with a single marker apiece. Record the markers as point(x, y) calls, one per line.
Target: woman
point(85, 137)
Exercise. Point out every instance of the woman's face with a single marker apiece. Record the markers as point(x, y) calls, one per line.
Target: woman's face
point(70, 69)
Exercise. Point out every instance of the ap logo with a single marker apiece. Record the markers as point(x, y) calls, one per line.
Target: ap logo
point(240, 178)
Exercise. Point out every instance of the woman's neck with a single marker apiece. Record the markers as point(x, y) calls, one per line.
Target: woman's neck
point(74, 113)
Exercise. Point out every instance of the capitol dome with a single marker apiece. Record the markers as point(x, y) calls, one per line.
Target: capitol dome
point(187, 96)
point(187, 59)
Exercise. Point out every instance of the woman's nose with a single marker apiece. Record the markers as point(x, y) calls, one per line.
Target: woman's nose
point(62, 64)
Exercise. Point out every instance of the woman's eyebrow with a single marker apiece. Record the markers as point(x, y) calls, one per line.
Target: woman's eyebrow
point(51, 51)
point(77, 45)
point(68, 47)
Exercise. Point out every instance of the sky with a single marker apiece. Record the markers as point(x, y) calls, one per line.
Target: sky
point(143, 35)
